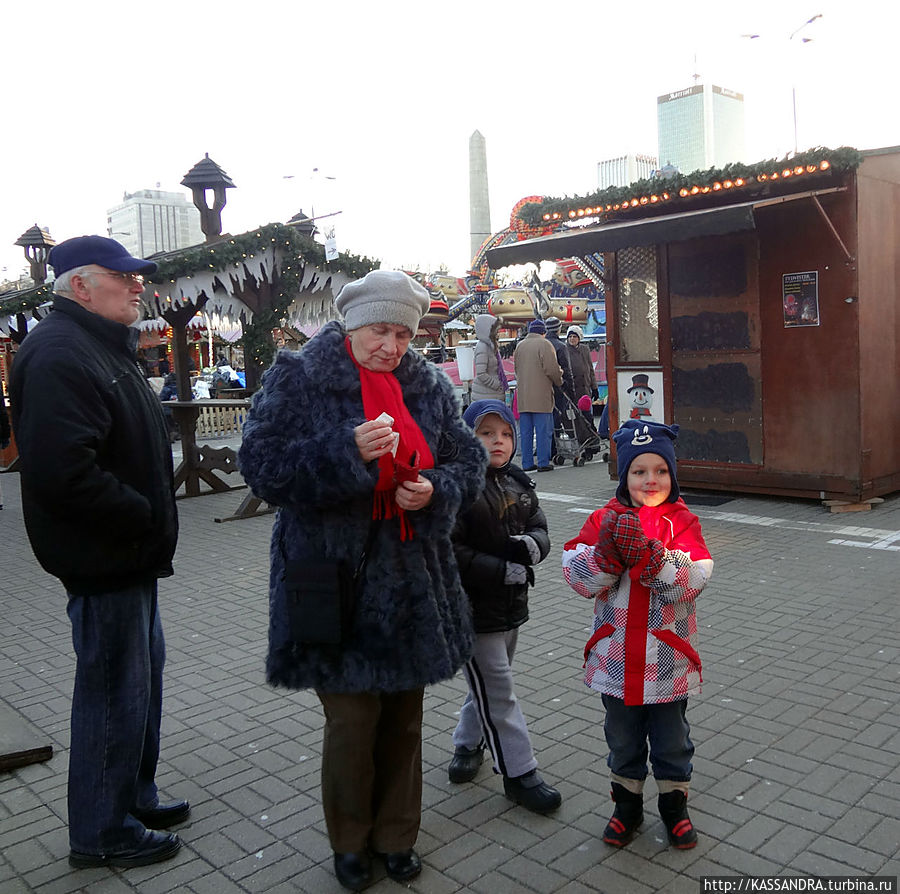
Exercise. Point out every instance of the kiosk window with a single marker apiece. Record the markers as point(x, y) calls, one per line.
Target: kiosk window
point(638, 307)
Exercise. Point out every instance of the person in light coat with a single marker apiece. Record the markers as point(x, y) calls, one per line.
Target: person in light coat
point(490, 377)
point(537, 371)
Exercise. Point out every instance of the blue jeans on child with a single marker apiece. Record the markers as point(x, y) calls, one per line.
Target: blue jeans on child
point(628, 729)
point(116, 711)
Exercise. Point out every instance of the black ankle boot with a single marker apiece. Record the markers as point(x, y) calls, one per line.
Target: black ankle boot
point(532, 792)
point(353, 870)
point(673, 810)
point(626, 818)
point(465, 763)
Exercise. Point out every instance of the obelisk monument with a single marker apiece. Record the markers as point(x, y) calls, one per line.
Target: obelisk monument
point(479, 201)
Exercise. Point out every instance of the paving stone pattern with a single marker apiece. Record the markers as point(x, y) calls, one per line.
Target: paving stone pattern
point(797, 731)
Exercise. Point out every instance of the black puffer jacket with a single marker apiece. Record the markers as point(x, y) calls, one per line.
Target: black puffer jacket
point(482, 541)
point(97, 483)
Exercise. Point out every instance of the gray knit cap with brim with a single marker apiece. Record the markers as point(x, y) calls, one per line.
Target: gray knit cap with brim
point(383, 296)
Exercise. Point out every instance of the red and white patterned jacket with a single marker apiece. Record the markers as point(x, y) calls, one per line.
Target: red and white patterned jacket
point(644, 646)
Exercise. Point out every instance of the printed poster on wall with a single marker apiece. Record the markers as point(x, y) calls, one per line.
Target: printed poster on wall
point(800, 299)
point(640, 395)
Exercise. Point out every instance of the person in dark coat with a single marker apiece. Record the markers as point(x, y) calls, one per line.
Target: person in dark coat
point(5, 431)
point(359, 441)
point(169, 391)
point(584, 380)
point(497, 542)
point(553, 325)
point(99, 505)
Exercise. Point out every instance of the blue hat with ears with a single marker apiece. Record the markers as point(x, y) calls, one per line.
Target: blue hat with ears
point(636, 437)
point(477, 410)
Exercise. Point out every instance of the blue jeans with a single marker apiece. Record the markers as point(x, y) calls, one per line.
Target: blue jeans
point(116, 710)
point(628, 729)
point(540, 424)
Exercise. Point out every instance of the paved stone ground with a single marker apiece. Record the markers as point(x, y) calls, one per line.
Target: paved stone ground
point(797, 731)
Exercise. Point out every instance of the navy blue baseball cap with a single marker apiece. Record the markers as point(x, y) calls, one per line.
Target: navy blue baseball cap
point(82, 250)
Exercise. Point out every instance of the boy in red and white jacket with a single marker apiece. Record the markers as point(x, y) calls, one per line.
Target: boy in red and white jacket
point(642, 558)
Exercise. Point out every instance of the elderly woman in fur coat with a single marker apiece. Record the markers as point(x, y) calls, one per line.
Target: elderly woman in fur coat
point(359, 441)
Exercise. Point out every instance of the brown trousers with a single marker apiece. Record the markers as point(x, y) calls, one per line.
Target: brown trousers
point(372, 769)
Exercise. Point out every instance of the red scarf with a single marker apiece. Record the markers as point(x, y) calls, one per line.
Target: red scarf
point(381, 393)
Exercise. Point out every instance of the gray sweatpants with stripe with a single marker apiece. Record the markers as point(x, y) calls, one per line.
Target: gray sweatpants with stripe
point(491, 711)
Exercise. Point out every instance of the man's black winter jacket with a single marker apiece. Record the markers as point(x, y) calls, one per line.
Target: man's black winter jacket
point(96, 465)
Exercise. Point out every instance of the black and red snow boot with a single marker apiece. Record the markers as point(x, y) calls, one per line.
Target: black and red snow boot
point(626, 818)
point(673, 810)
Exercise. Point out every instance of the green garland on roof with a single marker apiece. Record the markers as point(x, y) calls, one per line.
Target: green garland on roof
point(532, 214)
point(235, 249)
point(298, 251)
point(22, 302)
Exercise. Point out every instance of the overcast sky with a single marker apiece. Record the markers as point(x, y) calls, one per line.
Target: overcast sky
point(98, 99)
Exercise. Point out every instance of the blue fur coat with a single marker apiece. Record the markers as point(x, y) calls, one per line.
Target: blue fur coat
point(412, 624)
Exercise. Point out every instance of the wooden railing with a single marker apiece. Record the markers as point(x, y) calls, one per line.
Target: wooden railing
point(221, 421)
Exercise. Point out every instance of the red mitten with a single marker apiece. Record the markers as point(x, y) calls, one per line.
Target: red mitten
point(655, 562)
point(606, 553)
point(635, 545)
point(629, 537)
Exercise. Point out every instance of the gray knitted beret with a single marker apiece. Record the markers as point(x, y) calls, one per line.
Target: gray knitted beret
point(383, 296)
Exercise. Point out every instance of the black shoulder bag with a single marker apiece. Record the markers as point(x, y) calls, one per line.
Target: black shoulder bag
point(321, 595)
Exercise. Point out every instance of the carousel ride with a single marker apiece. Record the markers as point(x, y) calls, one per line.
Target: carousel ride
point(574, 293)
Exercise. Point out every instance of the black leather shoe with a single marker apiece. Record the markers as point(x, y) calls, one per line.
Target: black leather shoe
point(156, 847)
point(532, 793)
point(465, 763)
point(353, 870)
point(163, 815)
point(401, 866)
point(546, 469)
point(529, 468)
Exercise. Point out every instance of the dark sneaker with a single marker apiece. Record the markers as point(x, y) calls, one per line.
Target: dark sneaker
point(465, 763)
point(163, 815)
point(156, 847)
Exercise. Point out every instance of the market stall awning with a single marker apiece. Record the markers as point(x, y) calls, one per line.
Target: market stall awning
point(632, 233)
point(625, 234)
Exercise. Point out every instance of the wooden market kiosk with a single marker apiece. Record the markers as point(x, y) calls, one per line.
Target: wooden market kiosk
point(762, 317)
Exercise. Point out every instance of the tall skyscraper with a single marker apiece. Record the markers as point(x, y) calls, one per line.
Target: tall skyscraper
point(624, 170)
point(479, 200)
point(700, 127)
point(149, 220)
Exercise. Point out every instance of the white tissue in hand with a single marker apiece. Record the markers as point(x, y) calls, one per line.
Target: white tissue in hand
point(386, 417)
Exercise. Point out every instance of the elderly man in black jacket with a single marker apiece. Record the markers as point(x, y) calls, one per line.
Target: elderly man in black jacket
point(99, 506)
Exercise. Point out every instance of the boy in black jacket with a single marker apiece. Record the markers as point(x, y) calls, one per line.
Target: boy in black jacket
point(497, 541)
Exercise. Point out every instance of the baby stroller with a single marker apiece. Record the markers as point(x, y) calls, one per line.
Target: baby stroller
point(574, 437)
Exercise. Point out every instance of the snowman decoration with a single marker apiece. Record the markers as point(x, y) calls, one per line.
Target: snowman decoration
point(641, 395)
